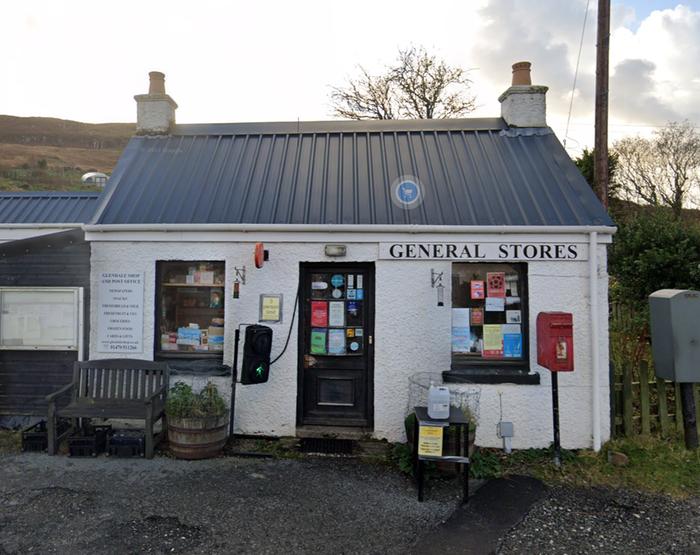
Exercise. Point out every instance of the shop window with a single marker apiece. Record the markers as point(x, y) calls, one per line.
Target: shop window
point(190, 309)
point(489, 317)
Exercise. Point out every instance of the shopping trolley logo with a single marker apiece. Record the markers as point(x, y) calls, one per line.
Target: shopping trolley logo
point(407, 192)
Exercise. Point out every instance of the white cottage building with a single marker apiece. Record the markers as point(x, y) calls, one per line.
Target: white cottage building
point(392, 247)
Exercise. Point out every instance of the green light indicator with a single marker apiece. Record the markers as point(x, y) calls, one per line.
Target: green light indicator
point(259, 371)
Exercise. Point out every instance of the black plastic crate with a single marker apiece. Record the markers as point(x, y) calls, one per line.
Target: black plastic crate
point(126, 443)
point(89, 441)
point(36, 437)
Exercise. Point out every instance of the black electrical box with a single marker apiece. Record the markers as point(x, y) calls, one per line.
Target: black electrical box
point(256, 354)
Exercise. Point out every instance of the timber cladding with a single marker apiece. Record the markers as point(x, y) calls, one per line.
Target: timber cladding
point(26, 377)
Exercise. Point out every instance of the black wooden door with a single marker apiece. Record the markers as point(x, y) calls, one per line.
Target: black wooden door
point(336, 331)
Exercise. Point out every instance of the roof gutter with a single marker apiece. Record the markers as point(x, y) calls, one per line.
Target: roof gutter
point(356, 228)
point(40, 226)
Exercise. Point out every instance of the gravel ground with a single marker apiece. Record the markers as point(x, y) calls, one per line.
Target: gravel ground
point(597, 520)
point(108, 505)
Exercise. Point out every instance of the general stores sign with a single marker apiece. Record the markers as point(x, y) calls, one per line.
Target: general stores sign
point(475, 251)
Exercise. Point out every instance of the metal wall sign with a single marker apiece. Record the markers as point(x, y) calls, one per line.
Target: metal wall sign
point(482, 251)
point(120, 312)
point(270, 308)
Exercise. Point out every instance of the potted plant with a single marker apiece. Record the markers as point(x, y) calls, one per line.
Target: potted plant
point(197, 422)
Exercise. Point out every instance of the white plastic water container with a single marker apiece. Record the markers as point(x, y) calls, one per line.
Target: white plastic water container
point(438, 402)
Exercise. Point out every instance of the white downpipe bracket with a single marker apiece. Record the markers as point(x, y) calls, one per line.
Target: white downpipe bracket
point(595, 350)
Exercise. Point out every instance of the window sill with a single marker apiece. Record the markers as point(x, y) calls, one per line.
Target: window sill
point(165, 355)
point(491, 376)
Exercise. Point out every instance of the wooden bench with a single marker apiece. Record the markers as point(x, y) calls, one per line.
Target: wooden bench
point(114, 388)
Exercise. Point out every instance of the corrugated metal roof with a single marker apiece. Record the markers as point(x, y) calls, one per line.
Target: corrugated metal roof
point(471, 171)
point(47, 207)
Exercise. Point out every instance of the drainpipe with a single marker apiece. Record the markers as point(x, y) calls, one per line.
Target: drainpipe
point(595, 354)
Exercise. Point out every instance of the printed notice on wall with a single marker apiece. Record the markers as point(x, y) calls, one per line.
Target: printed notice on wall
point(120, 312)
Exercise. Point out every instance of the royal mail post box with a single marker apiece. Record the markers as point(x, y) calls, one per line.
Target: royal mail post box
point(675, 334)
point(555, 341)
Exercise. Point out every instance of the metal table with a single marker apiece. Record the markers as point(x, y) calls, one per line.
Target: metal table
point(456, 418)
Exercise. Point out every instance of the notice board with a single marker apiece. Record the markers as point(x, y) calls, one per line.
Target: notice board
point(40, 318)
point(120, 312)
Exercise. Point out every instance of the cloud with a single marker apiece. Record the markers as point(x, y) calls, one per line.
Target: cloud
point(633, 94)
point(654, 77)
point(546, 33)
point(661, 58)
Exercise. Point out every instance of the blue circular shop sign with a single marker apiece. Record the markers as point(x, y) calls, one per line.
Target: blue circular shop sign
point(407, 192)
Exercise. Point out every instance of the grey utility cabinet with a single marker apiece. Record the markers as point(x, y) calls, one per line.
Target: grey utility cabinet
point(675, 334)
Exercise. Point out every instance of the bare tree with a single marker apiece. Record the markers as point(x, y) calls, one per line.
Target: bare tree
point(663, 170)
point(417, 86)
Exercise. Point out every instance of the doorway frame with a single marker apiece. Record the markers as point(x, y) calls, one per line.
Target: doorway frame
point(306, 268)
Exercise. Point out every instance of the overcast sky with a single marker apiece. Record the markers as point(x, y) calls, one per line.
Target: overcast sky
point(275, 60)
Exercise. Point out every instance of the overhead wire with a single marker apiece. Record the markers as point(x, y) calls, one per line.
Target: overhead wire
point(578, 63)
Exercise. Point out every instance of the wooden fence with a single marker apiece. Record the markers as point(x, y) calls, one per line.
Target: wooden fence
point(644, 404)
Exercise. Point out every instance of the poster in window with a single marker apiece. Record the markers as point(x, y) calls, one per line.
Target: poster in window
point(512, 345)
point(476, 317)
point(336, 314)
point(512, 284)
point(319, 314)
point(493, 341)
point(461, 340)
point(318, 341)
point(353, 313)
point(320, 288)
point(477, 290)
point(513, 317)
point(495, 304)
point(496, 284)
point(354, 345)
point(336, 342)
point(338, 286)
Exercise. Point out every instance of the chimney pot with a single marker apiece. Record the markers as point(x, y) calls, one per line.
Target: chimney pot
point(521, 73)
point(157, 82)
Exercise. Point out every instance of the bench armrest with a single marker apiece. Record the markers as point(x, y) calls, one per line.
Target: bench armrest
point(157, 393)
point(52, 396)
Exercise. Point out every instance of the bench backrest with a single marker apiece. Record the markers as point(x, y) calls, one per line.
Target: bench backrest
point(125, 379)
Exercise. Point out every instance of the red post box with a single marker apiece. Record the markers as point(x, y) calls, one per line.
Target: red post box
point(555, 341)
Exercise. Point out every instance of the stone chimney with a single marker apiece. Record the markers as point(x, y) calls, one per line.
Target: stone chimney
point(156, 110)
point(523, 104)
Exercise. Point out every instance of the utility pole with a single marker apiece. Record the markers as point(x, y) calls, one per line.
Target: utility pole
point(600, 166)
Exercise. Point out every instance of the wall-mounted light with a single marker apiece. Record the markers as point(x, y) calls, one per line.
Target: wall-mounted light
point(436, 283)
point(335, 250)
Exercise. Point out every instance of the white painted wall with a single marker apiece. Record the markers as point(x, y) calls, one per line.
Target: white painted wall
point(412, 334)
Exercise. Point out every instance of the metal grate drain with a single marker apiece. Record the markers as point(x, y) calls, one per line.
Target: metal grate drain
point(327, 446)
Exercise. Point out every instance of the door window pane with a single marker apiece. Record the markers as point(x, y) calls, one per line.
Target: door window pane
point(336, 314)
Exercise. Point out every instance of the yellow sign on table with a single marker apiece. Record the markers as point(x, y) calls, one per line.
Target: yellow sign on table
point(430, 441)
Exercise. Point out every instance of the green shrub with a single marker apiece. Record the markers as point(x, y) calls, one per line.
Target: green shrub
point(653, 251)
point(184, 403)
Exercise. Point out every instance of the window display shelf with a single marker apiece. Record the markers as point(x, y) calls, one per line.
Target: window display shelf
point(220, 285)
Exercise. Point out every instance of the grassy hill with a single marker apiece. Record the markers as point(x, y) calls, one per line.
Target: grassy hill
point(52, 154)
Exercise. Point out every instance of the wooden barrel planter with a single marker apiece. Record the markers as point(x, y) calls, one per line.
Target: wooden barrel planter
point(197, 438)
